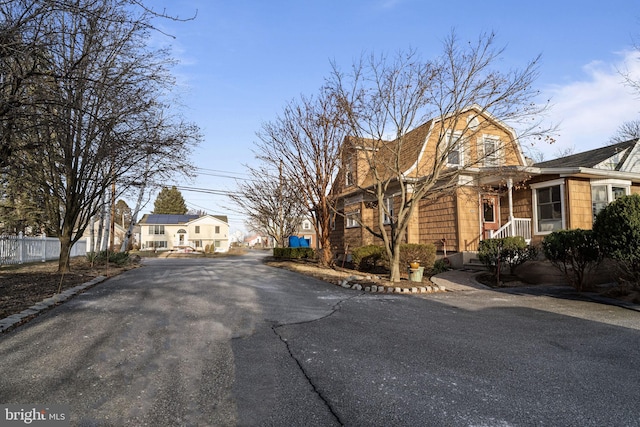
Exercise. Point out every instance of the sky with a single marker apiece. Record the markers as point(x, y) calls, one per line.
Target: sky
point(241, 61)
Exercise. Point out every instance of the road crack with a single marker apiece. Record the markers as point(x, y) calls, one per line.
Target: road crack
point(304, 372)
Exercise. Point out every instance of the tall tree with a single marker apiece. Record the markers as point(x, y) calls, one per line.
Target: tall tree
point(170, 201)
point(122, 214)
point(96, 87)
point(272, 205)
point(385, 98)
point(305, 142)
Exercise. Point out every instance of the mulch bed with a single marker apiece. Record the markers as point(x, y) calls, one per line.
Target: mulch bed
point(25, 285)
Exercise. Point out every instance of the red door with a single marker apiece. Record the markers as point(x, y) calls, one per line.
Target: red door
point(490, 214)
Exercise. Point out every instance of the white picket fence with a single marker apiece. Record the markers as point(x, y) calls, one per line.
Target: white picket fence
point(20, 249)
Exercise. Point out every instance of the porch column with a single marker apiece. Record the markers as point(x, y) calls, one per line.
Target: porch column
point(510, 188)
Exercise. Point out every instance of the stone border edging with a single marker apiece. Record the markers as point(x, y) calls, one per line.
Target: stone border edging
point(15, 319)
point(389, 289)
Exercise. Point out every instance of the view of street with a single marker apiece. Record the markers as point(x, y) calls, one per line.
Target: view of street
point(231, 341)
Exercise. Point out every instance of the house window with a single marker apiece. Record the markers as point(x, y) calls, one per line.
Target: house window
point(604, 192)
point(455, 154)
point(352, 219)
point(156, 229)
point(217, 230)
point(388, 210)
point(348, 173)
point(548, 203)
point(156, 244)
point(197, 229)
point(491, 147)
point(216, 243)
point(306, 225)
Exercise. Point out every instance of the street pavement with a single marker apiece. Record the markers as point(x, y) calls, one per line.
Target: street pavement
point(230, 341)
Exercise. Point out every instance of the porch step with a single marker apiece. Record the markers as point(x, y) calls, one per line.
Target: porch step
point(474, 264)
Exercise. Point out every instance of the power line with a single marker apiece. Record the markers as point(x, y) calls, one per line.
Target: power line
point(205, 190)
point(227, 174)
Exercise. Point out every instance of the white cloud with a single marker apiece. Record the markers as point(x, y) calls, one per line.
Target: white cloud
point(589, 111)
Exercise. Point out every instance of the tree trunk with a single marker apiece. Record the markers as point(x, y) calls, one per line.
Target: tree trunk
point(64, 262)
point(394, 264)
point(106, 230)
point(97, 244)
point(134, 219)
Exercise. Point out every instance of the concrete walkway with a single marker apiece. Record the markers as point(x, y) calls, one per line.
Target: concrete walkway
point(464, 280)
point(459, 280)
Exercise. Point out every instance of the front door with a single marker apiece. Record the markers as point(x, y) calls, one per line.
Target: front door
point(490, 214)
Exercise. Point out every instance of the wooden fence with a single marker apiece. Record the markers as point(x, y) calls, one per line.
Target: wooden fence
point(20, 249)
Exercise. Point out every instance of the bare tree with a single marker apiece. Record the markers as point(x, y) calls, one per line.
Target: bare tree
point(306, 140)
point(631, 129)
point(626, 131)
point(96, 90)
point(384, 99)
point(270, 203)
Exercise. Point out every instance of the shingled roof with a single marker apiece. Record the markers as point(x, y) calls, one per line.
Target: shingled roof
point(592, 158)
point(167, 219)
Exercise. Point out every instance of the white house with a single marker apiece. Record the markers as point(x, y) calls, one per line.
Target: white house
point(185, 232)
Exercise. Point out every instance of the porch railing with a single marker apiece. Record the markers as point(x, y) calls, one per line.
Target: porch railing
point(515, 227)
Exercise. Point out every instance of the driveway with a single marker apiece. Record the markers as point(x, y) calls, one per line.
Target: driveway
point(230, 341)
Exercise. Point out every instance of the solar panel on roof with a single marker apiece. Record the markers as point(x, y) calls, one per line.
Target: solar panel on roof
point(169, 219)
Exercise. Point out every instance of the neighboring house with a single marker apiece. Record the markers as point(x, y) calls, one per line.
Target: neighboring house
point(255, 240)
point(186, 232)
point(568, 193)
point(308, 232)
point(497, 196)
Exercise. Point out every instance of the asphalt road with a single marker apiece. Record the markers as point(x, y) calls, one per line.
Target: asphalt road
point(217, 342)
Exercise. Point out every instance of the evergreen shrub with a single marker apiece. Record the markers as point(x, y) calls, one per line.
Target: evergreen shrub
point(617, 230)
point(576, 253)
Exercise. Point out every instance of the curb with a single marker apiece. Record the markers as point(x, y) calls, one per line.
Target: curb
point(16, 319)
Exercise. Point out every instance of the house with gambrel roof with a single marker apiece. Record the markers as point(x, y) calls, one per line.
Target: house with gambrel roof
point(184, 232)
point(482, 158)
point(495, 195)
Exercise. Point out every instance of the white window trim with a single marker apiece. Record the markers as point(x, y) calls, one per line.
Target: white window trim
point(610, 183)
point(349, 180)
point(459, 145)
point(352, 223)
point(534, 195)
point(497, 152)
point(388, 207)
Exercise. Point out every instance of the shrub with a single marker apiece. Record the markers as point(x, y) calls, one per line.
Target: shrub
point(489, 254)
point(425, 254)
point(575, 253)
point(516, 252)
point(509, 251)
point(439, 266)
point(617, 230)
point(293, 253)
point(117, 258)
point(368, 258)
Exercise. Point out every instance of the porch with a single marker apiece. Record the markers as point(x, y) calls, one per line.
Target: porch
point(514, 227)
